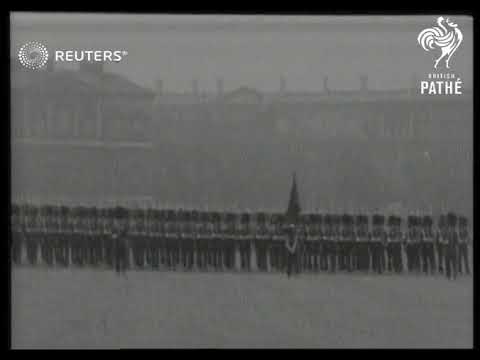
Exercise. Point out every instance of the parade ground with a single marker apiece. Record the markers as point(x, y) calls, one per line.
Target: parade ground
point(98, 309)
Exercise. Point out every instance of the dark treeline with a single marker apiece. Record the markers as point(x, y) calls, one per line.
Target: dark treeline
point(123, 239)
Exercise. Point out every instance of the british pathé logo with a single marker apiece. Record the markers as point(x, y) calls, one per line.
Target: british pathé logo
point(445, 37)
point(33, 55)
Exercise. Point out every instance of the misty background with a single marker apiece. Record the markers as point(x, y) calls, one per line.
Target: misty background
point(219, 111)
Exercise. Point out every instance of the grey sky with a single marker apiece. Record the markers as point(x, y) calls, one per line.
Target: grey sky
point(251, 50)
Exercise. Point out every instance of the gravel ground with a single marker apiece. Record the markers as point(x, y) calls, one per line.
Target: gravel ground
point(98, 309)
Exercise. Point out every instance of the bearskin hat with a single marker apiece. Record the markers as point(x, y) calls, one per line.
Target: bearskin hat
point(64, 211)
point(46, 210)
point(275, 219)
point(452, 219)
point(138, 213)
point(378, 220)
point(180, 215)
point(311, 218)
point(204, 216)
point(399, 221)
point(305, 218)
point(392, 221)
point(170, 215)
point(230, 217)
point(361, 220)
point(92, 211)
point(189, 216)
point(317, 219)
point(427, 221)
point(411, 221)
point(336, 219)
point(195, 215)
point(348, 220)
point(328, 219)
point(150, 213)
point(77, 211)
point(216, 216)
point(245, 218)
point(120, 212)
point(261, 218)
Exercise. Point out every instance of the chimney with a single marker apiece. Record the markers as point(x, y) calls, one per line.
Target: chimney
point(220, 89)
point(364, 82)
point(195, 87)
point(325, 84)
point(283, 84)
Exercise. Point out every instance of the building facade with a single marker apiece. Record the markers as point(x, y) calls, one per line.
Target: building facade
point(77, 133)
point(90, 135)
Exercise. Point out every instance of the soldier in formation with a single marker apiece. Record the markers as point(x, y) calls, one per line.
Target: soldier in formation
point(121, 239)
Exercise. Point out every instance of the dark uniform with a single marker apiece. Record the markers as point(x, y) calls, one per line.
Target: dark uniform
point(309, 244)
point(342, 243)
point(201, 243)
point(101, 235)
point(377, 246)
point(170, 238)
point(391, 243)
point(244, 242)
point(48, 236)
point(441, 240)
point(65, 237)
point(291, 244)
point(428, 246)
point(93, 239)
point(195, 217)
point(187, 241)
point(153, 239)
point(451, 255)
point(17, 236)
point(216, 241)
point(209, 242)
point(56, 235)
point(262, 243)
point(362, 243)
point(313, 242)
point(330, 244)
point(32, 234)
point(348, 236)
point(229, 241)
point(322, 245)
point(395, 244)
point(120, 240)
point(138, 238)
point(410, 244)
point(464, 242)
point(108, 242)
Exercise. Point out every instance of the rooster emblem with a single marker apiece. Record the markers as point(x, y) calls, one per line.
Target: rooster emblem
point(443, 38)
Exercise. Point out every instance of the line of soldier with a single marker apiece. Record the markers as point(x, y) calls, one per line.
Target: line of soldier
point(182, 239)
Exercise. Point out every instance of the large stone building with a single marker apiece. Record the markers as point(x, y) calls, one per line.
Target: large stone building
point(89, 134)
point(360, 149)
point(76, 132)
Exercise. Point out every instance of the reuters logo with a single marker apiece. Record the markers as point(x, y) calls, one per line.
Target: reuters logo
point(33, 55)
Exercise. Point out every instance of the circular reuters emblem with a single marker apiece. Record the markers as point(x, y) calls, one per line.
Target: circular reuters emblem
point(33, 55)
